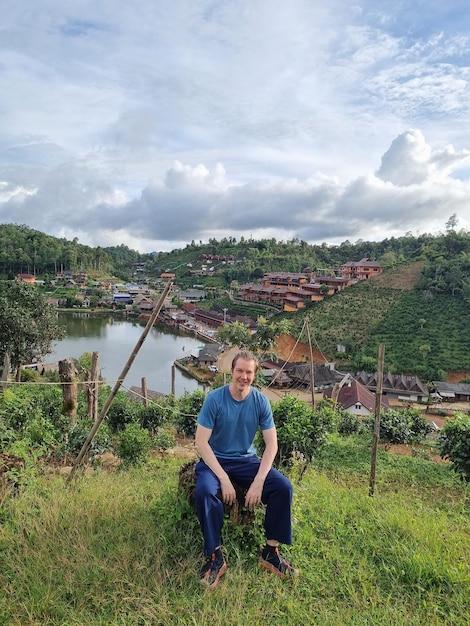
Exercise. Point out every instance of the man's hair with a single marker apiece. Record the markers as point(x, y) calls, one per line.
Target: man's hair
point(246, 355)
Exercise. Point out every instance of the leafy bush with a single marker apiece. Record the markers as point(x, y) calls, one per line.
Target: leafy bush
point(7, 435)
point(454, 444)
point(77, 435)
point(18, 405)
point(189, 407)
point(164, 438)
point(122, 411)
point(348, 423)
point(401, 426)
point(156, 414)
point(301, 429)
point(133, 444)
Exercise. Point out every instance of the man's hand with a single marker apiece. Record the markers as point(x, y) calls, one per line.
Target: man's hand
point(253, 495)
point(228, 491)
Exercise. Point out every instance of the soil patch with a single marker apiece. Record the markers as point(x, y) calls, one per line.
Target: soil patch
point(415, 450)
point(289, 349)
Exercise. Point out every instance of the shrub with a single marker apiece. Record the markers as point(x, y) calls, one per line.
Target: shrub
point(454, 444)
point(133, 444)
point(76, 436)
point(164, 438)
point(156, 414)
point(348, 423)
point(189, 407)
point(122, 411)
point(301, 430)
point(405, 426)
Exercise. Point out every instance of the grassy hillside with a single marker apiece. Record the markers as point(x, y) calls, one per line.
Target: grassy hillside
point(122, 549)
point(425, 334)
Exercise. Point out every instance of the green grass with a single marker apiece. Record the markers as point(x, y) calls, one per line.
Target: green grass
point(123, 549)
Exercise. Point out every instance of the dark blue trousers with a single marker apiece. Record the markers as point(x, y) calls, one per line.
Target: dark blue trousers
point(276, 495)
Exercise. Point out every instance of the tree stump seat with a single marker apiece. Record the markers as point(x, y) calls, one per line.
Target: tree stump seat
point(237, 512)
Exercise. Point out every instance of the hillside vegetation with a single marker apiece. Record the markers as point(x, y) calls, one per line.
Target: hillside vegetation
point(418, 307)
point(124, 549)
point(424, 333)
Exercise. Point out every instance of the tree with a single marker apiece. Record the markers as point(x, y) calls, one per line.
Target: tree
point(236, 334)
point(452, 222)
point(267, 332)
point(454, 444)
point(28, 323)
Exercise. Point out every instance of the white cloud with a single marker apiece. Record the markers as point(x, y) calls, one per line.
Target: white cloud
point(156, 125)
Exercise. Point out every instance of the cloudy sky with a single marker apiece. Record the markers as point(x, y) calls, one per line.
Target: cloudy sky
point(157, 122)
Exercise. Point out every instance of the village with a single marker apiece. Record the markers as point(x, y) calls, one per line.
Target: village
point(293, 371)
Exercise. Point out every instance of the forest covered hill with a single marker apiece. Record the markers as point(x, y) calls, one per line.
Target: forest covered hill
point(418, 307)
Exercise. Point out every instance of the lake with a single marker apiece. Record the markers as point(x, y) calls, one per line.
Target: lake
point(115, 337)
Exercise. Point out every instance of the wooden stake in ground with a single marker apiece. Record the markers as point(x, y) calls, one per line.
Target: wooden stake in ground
point(92, 388)
point(6, 370)
point(378, 406)
point(112, 395)
point(68, 378)
point(145, 396)
point(312, 364)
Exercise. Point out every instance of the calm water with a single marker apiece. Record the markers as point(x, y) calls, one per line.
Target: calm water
point(115, 338)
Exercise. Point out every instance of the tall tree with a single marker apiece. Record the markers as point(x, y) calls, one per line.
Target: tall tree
point(28, 323)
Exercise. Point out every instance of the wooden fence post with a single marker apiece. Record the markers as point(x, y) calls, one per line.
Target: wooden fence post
point(68, 379)
point(6, 370)
point(378, 407)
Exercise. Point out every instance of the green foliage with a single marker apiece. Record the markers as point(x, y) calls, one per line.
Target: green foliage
point(164, 438)
point(401, 426)
point(28, 323)
point(32, 413)
point(76, 436)
point(454, 444)
point(301, 430)
point(189, 407)
point(25, 250)
point(122, 411)
point(425, 349)
point(262, 341)
point(133, 444)
point(157, 413)
point(236, 334)
point(347, 423)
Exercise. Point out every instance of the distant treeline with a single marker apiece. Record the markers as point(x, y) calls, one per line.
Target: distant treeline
point(446, 257)
point(27, 251)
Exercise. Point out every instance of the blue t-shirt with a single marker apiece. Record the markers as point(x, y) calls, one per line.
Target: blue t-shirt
point(234, 423)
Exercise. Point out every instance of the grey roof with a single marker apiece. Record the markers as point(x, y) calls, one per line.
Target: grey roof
point(449, 388)
point(209, 352)
point(395, 382)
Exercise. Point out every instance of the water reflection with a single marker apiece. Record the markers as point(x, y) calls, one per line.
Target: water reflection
point(114, 338)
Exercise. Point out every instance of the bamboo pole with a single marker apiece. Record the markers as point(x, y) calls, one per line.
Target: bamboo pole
point(119, 382)
point(378, 406)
